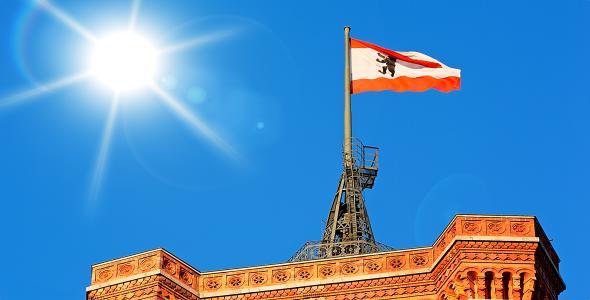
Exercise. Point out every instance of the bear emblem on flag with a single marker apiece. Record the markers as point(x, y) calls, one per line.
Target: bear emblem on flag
point(389, 62)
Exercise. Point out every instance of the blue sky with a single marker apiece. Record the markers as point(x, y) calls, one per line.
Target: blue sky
point(514, 140)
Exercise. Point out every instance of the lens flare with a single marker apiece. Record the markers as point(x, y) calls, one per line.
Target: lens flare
point(65, 19)
point(135, 6)
point(196, 124)
point(43, 88)
point(124, 61)
point(105, 145)
point(196, 41)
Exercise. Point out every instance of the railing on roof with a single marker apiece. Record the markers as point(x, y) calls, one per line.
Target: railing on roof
point(318, 250)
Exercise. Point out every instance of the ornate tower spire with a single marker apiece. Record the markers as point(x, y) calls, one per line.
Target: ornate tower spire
point(348, 229)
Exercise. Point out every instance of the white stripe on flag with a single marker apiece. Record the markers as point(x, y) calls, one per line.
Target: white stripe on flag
point(364, 65)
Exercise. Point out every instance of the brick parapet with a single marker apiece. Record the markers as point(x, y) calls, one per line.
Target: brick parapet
point(504, 242)
point(154, 262)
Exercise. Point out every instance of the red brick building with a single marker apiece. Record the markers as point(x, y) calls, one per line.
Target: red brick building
point(475, 257)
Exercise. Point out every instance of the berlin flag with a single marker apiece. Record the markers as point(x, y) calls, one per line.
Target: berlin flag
point(374, 68)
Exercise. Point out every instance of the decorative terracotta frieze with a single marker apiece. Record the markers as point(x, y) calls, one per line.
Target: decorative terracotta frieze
point(474, 256)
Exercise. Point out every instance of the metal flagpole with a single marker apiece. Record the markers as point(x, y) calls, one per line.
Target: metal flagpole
point(348, 229)
point(347, 110)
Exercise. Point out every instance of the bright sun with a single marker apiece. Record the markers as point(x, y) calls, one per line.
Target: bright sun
point(124, 61)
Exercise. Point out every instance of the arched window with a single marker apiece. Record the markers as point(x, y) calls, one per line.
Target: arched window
point(489, 277)
point(506, 276)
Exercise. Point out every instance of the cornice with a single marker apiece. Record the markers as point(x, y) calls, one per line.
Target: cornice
point(420, 262)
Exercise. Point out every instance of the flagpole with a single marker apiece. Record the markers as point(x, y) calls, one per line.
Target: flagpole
point(347, 110)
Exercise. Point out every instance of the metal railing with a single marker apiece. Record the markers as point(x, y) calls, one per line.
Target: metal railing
point(365, 157)
point(363, 161)
point(318, 250)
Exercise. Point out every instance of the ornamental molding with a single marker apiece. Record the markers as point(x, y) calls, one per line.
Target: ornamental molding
point(473, 243)
point(130, 281)
point(468, 240)
point(477, 241)
point(144, 286)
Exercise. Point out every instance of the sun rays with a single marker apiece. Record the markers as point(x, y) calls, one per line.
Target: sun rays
point(103, 152)
point(44, 88)
point(183, 113)
point(135, 5)
point(67, 20)
point(196, 41)
point(194, 122)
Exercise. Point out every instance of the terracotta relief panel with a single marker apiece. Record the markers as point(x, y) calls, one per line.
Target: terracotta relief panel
point(146, 264)
point(212, 283)
point(349, 268)
point(397, 262)
point(496, 227)
point(373, 265)
point(281, 275)
point(326, 270)
point(104, 274)
point(304, 273)
point(169, 265)
point(472, 227)
point(520, 228)
point(235, 280)
point(419, 260)
point(258, 278)
point(125, 269)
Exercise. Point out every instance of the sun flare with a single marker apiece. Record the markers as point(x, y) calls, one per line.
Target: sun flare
point(124, 61)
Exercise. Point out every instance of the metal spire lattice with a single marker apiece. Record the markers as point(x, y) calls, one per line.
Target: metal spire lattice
point(348, 229)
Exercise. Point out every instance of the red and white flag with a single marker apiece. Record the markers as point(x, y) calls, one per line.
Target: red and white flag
point(374, 68)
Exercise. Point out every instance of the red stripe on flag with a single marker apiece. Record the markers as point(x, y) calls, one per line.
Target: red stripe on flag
point(404, 83)
point(361, 44)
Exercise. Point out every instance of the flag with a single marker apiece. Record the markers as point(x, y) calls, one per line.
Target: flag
point(374, 68)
